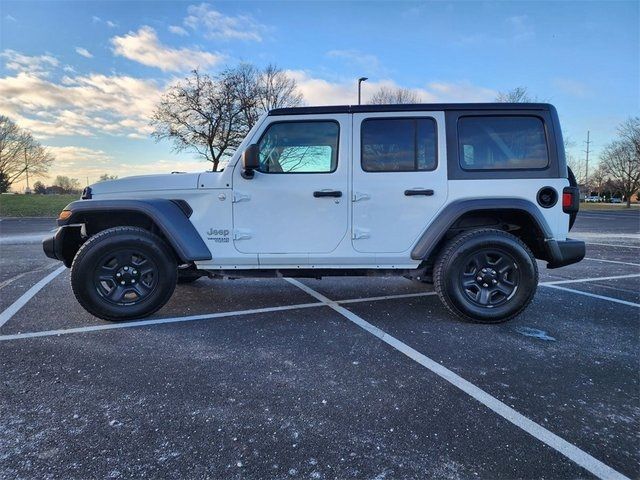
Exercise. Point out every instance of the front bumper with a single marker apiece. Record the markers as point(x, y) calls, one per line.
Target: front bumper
point(565, 252)
point(49, 245)
point(60, 245)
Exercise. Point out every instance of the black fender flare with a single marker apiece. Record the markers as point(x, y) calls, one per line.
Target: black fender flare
point(452, 212)
point(170, 216)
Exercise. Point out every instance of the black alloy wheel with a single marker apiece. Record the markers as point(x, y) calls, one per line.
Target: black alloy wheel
point(485, 275)
point(125, 277)
point(124, 273)
point(490, 277)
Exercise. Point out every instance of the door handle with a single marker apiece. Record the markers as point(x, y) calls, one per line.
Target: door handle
point(410, 193)
point(327, 193)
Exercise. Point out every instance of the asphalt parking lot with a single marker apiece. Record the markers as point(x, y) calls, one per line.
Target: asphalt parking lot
point(332, 378)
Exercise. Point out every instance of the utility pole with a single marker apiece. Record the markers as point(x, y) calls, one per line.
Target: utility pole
point(26, 167)
point(360, 80)
point(586, 174)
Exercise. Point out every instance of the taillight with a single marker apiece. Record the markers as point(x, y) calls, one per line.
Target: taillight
point(570, 199)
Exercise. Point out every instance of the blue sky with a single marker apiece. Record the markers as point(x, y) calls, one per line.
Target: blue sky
point(84, 76)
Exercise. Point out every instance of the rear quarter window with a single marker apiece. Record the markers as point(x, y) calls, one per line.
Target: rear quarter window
point(502, 143)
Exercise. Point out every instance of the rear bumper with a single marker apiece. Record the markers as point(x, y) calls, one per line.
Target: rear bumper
point(565, 252)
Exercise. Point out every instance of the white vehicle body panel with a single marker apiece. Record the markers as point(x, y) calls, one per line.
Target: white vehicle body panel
point(385, 220)
point(273, 221)
point(276, 214)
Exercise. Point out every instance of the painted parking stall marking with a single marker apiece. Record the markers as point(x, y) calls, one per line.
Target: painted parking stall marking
point(28, 295)
point(572, 452)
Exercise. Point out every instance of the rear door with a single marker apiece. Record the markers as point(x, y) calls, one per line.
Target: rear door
point(399, 178)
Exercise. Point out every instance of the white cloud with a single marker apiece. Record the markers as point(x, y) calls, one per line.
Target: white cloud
point(177, 30)
point(85, 163)
point(37, 65)
point(73, 156)
point(144, 47)
point(10, 18)
point(219, 26)
point(84, 52)
point(111, 24)
point(80, 105)
point(318, 91)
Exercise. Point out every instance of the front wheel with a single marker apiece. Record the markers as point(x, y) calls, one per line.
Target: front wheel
point(486, 276)
point(123, 273)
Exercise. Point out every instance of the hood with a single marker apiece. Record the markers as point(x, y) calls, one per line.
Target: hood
point(147, 183)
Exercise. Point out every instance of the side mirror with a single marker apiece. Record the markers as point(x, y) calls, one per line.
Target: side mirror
point(250, 160)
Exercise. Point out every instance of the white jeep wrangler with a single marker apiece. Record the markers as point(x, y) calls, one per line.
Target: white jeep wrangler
point(465, 196)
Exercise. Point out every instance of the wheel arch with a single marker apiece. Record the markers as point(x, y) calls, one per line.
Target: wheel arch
point(169, 219)
point(517, 216)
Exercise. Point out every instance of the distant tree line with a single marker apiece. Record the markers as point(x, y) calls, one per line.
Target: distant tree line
point(63, 184)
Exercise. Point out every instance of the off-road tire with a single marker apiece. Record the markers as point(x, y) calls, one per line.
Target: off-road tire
point(453, 267)
point(574, 183)
point(89, 268)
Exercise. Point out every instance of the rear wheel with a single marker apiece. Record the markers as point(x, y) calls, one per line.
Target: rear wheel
point(486, 276)
point(123, 273)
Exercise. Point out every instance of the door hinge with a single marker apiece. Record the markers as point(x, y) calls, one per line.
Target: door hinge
point(240, 197)
point(357, 196)
point(240, 234)
point(360, 233)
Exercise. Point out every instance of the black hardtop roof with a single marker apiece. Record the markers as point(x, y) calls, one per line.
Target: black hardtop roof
point(409, 107)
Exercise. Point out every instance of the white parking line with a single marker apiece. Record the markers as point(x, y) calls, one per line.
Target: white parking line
point(28, 295)
point(612, 261)
point(613, 245)
point(158, 321)
point(591, 279)
point(9, 281)
point(559, 444)
point(587, 294)
point(11, 310)
point(387, 297)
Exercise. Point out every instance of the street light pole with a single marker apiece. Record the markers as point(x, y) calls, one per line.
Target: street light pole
point(360, 80)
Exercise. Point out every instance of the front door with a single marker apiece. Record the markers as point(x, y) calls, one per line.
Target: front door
point(297, 202)
point(399, 178)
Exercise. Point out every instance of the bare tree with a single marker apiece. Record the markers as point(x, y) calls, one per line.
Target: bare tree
point(105, 177)
point(20, 154)
point(68, 185)
point(201, 114)
point(516, 95)
point(629, 131)
point(277, 90)
point(574, 163)
point(598, 180)
point(393, 96)
point(211, 115)
point(621, 158)
point(39, 188)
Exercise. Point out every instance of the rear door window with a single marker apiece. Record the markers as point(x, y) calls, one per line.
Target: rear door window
point(398, 144)
point(502, 143)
